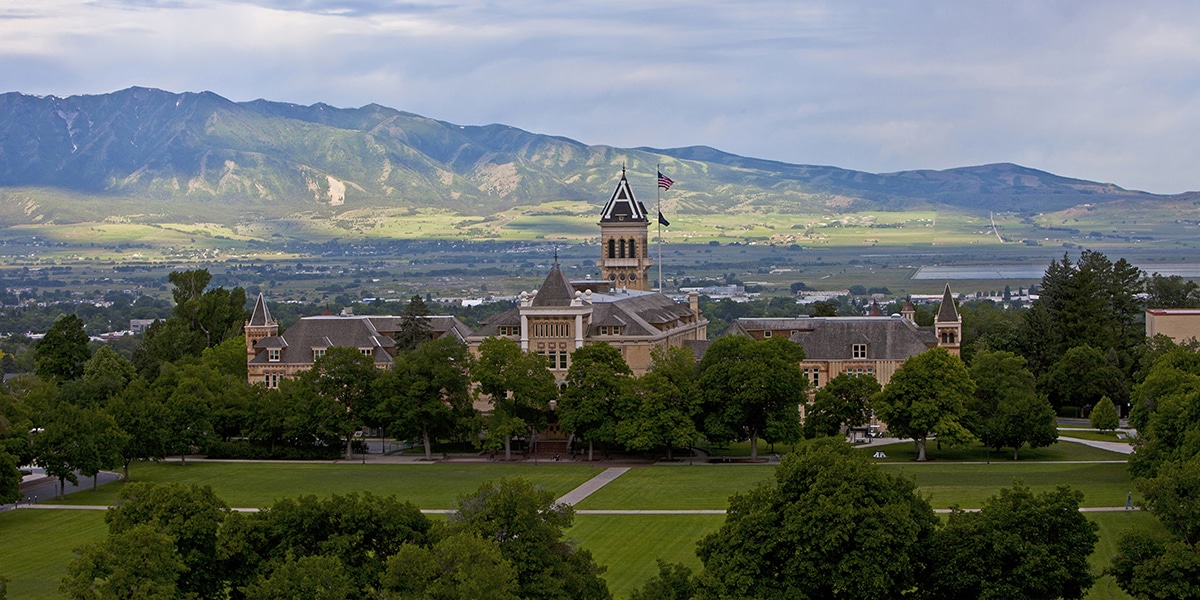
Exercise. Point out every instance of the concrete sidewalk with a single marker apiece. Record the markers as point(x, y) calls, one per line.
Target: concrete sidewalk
point(589, 487)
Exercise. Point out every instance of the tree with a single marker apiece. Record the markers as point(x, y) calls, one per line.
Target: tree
point(927, 395)
point(143, 416)
point(346, 375)
point(190, 516)
point(844, 402)
point(1019, 545)
point(139, 562)
point(310, 577)
point(674, 581)
point(1081, 378)
point(61, 354)
point(360, 532)
point(1006, 410)
point(663, 404)
point(597, 383)
point(752, 388)
point(461, 565)
point(819, 531)
point(1151, 565)
point(427, 392)
point(10, 478)
point(1104, 415)
point(1171, 292)
point(76, 439)
point(216, 315)
point(519, 386)
point(414, 328)
point(528, 526)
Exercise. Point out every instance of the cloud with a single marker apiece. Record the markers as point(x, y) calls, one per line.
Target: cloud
point(1103, 90)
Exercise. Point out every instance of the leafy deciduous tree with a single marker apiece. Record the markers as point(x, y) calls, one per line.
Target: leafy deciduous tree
point(844, 402)
point(752, 388)
point(820, 530)
point(927, 395)
point(1006, 410)
point(528, 526)
point(519, 386)
point(427, 392)
point(597, 384)
point(1019, 545)
point(140, 562)
point(63, 351)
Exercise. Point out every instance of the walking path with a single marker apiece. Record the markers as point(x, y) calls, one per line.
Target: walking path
point(590, 486)
point(1119, 447)
point(446, 511)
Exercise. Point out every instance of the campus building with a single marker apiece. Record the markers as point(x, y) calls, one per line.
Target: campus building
point(872, 345)
point(562, 316)
point(271, 356)
point(558, 318)
point(1179, 324)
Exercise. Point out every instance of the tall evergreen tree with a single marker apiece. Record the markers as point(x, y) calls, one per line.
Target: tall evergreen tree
point(415, 328)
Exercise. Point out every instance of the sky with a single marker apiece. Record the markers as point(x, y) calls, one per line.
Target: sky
point(1095, 89)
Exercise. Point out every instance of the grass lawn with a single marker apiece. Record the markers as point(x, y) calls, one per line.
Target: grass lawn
point(251, 485)
point(36, 545)
point(629, 544)
point(1061, 451)
point(948, 484)
point(1087, 434)
point(677, 487)
point(1111, 526)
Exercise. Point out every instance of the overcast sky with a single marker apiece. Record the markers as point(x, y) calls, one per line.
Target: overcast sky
point(1096, 89)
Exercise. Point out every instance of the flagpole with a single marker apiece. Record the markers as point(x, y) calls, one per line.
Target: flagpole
point(658, 208)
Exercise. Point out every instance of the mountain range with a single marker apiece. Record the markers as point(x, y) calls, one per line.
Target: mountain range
point(150, 152)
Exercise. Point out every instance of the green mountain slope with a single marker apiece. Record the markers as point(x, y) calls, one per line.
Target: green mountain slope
point(201, 157)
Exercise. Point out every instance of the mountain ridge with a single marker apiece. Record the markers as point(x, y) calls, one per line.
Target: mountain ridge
point(200, 155)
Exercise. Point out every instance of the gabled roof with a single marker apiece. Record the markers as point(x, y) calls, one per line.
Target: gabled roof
point(556, 290)
point(887, 338)
point(298, 342)
point(261, 316)
point(947, 313)
point(623, 207)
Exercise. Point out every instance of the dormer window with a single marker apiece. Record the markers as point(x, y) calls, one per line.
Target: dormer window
point(318, 353)
point(858, 351)
point(367, 351)
point(273, 354)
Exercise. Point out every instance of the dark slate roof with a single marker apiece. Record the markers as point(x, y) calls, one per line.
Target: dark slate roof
point(328, 332)
point(509, 317)
point(887, 338)
point(261, 316)
point(556, 290)
point(947, 313)
point(623, 207)
point(440, 325)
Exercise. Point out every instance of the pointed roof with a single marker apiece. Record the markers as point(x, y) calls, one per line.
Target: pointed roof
point(556, 290)
point(908, 305)
point(623, 207)
point(947, 313)
point(875, 312)
point(261, 317)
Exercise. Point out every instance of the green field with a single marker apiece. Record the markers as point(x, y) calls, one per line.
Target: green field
point(976, 452)
point(36, 544)
point(257, 485)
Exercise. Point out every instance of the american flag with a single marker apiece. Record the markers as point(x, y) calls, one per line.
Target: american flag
point(664, 182)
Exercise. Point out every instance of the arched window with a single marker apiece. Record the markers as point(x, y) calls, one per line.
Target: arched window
point(622, 248)
point(632, 249)
point(612, 248)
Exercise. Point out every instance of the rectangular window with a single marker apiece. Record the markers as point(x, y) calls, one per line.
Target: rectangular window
point(767, 333)
point(318, 353)
point(562, 359)
point(858, 351)
point(272, 380)
point(273, 354)
point(367, 351)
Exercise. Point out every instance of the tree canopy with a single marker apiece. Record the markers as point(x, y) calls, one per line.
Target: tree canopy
point(1006, 410)
point(751, 389)
point(927, 396)
point(830, 525)
point(63, 351)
